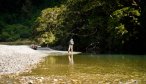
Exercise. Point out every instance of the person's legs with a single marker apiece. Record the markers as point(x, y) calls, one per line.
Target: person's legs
point(70, 48)
point(70, 55)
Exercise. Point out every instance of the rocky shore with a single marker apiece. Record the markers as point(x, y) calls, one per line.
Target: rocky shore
point(16, 59)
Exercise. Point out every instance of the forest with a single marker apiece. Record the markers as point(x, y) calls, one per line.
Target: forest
point(97, 26)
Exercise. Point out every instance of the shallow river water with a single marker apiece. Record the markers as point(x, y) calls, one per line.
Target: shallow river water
point(85, 69)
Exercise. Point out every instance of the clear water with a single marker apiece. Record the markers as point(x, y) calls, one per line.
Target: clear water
point(89, 69)
point(95, 68)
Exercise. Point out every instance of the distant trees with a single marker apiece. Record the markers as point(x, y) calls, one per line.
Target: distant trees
point(124, 27)
point(18, 16)
point(99, 26)
point(49, 24)
point(14, 32)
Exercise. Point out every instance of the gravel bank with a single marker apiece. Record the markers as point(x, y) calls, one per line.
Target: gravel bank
point(16, 59)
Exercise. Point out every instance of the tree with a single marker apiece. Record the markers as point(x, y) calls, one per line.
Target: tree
point(124, 26)
point(48, 24)
point(99, 25)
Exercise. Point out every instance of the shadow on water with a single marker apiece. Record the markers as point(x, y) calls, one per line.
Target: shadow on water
point(89, 69)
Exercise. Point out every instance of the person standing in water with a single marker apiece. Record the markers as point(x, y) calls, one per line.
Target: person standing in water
point(70, 48)
point(70, 51)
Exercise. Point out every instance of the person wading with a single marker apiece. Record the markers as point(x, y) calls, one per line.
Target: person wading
point(70, 48)
point(70, 51)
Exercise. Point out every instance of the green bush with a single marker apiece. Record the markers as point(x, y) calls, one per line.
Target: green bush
point(15, 32)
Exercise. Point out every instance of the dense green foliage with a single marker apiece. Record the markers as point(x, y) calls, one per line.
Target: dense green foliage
point(14, 32)
point(18, 16)
point(99, 26)
point(48, 24)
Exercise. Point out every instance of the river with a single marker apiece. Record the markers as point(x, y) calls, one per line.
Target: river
point(88, 69)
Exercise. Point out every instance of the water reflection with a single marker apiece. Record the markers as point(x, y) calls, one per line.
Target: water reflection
point(70, 58)
point(93, 69)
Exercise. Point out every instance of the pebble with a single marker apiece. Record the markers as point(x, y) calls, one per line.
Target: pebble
point(21, 58)
point(15, 59)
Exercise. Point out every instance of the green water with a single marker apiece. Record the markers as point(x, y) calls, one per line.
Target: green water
point(93, 69)
point(88, 69)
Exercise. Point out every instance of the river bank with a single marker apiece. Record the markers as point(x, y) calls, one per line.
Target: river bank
point(21, 58)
